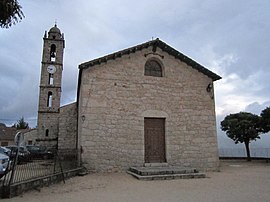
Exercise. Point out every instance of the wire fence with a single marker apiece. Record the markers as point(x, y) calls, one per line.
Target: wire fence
point(241, 152)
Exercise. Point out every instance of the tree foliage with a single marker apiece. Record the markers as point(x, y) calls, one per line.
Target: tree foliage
point(242, 127)
point(265, 120)
point(21, 124)
point(10, 13)
point(2, 125)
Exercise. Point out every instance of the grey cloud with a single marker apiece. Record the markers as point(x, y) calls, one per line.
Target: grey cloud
point(256, 107)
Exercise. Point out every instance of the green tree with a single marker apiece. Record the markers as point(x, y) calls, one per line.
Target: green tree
point(21, 124)
point(10, 13)
point(242, 127)
point(265, 120)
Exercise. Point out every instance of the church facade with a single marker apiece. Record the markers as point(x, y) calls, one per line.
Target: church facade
point(142, 105)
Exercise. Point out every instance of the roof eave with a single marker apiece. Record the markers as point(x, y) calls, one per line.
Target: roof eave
point(154, 43)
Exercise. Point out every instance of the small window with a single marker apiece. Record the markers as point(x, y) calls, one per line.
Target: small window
point(47, 132)
point(49, 100)
point(50, 79)
point(153, 68)
point(4, 144)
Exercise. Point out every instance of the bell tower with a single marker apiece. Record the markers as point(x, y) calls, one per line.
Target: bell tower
point(50, 87)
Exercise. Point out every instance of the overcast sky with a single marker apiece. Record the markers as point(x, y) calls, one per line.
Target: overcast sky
point(229, 37)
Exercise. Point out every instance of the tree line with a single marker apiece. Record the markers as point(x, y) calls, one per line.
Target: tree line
point(20, 124)
point(244, 127)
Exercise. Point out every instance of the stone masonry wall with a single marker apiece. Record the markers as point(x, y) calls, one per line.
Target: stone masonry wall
point(115, 97)
point(30, 136)
point(50, 122)
point(68, 127)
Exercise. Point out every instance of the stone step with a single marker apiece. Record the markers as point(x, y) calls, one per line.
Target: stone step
point(164, 173)
point(144, 171)
point(156, 165)
point(167, 176)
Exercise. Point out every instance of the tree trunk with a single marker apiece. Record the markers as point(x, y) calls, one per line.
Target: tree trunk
point(247, 150)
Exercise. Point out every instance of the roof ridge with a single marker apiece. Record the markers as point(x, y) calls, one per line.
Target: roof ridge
point(155, 43)
point(125, 50)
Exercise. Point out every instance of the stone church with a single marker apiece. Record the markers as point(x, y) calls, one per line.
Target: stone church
point(142, 105)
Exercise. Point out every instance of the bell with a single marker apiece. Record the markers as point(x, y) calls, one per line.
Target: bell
point(52, 54)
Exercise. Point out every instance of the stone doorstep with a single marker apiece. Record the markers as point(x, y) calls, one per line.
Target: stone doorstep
point(168, 176)
point(144, 171)
point(156, 164)
point(164, 173)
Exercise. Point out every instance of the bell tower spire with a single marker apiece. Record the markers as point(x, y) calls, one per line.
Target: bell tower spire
point(50, 87)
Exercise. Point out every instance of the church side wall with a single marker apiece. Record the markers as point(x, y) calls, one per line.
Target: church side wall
point(115, 97)
point(68, 127)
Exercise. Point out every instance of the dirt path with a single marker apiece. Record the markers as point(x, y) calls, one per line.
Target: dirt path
point(238, 181)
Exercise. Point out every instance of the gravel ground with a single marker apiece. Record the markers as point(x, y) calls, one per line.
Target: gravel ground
point(237, 181)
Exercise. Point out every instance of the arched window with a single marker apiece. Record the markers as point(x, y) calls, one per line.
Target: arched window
point(47, 132)
point(49, 100)
point(50, 79)
point(153, 68)
point(53, 52)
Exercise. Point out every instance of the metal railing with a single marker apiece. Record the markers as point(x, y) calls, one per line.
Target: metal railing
point(32, 168)
point(241, 152)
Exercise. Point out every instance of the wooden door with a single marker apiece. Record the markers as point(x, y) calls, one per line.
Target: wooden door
point(154, 140)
